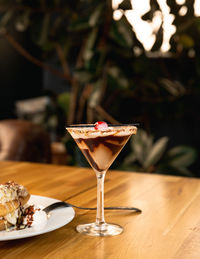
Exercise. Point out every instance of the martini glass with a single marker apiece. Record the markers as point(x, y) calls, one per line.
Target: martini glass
point(100, 146)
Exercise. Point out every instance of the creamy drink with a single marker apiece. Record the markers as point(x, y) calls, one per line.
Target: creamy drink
point(101, 143)
point(101, 147)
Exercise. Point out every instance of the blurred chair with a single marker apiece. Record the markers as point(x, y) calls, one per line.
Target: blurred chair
point(22, 140)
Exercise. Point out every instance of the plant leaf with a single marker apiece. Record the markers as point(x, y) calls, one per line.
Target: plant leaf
point(122, 33)
point(96, 14)
point(44, 30)
point(181, 156)
point(5, 20)
point(184, 172)
point(141, 145)
point(23, 21)
point(118, 77)
point(137, 146)
point(79, 25)
point(167, 169)
point(173, 87)
point(88, 53)
point(96, 94)
point(130, 159)
point(156, 152)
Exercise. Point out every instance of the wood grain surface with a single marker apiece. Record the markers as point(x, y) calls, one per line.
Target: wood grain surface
point(168, 227)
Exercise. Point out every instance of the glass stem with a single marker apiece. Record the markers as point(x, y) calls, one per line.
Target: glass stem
point(100, 198)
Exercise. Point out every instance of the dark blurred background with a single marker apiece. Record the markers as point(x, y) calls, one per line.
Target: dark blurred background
point(121, 62)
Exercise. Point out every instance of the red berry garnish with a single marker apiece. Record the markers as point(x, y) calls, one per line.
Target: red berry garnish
point(101, 125)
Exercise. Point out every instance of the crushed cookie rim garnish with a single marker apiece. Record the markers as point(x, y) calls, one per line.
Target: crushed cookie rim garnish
point(108, 129)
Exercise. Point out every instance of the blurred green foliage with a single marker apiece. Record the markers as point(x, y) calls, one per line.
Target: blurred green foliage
point(150, 156)
point(105, 79)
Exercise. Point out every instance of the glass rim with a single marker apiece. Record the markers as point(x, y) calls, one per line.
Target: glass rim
point(93, 125)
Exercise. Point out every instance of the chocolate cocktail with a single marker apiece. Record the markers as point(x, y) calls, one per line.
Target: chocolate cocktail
point(101, 143)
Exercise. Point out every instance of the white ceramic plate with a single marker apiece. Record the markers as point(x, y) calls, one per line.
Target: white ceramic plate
point(59, 217)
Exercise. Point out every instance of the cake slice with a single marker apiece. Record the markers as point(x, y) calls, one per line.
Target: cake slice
point(12, 199)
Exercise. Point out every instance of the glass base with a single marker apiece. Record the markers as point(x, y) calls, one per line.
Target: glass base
point(94, 229)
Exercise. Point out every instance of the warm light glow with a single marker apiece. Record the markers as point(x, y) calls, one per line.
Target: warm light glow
point(146, 30)
point(183, 11)
point(180, 2)
point(140, 8)
point(191, 53)
point(143, 29)
point(168, 28)
point(117, 14)
point(197, 8)
point(137, 51)
point(115, 3)
point(157, 21)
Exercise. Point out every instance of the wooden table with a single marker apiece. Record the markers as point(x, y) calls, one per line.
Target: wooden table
point(169, 226)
